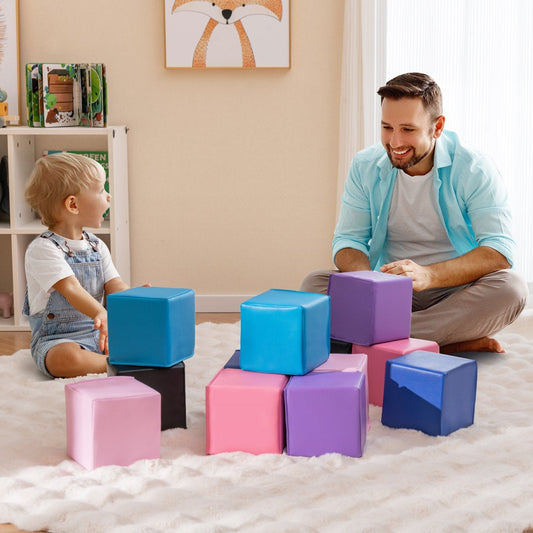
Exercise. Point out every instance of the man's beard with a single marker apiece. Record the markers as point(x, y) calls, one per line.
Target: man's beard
point(409, 163)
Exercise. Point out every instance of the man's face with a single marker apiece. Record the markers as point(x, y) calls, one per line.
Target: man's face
point(408, 134)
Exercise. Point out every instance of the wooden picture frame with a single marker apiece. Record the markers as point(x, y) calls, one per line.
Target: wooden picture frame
point(227, 34)
point(9, 57)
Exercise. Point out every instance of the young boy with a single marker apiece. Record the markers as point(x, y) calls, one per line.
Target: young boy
point(68, 270)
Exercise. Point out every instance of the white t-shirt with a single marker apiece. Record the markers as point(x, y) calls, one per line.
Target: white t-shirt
point(415, 230)
point(45, 265)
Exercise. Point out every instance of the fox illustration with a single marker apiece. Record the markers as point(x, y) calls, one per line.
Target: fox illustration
point(227, 12)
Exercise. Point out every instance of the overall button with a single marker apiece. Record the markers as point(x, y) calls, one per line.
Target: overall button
point(50, 316)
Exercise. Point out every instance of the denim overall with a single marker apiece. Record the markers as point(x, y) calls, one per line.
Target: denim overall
point(60, 322)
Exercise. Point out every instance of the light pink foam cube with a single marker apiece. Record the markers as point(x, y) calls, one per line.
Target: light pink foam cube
point(379, 354)
point(245, 412)
point(345, 362)
point(112, 421)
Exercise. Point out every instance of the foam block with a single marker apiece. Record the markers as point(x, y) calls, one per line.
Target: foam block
point(379, 354)
point(370, 307)
point(151, 326)
point(341, 362)
point(169, 382)
point(112, 421)
point(284, 332)
point(244, 412)
point(325, 412)
point(434, 393)
point(234, 361)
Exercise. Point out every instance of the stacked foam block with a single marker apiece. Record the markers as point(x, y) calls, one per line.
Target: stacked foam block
point(118, 419)
point(283, 387)
point(417, 387)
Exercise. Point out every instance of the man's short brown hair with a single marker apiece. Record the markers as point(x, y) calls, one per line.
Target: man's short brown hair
point(415, 85)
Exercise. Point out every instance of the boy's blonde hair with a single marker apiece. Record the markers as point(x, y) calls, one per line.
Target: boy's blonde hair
point(57, 176)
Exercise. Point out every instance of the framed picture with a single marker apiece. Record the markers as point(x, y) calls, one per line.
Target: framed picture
point(9, 57)
point(227, 34)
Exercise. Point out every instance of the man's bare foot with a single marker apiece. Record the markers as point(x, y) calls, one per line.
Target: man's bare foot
point(485, 344)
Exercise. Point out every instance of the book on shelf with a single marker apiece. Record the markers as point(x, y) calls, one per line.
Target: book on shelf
point(100, 156)
point(66, 94)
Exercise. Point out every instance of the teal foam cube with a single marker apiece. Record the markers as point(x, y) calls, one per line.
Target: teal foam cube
point(151, 326)
point(284, 332)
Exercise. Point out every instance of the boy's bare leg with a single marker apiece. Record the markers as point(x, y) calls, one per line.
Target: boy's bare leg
point(68, 360)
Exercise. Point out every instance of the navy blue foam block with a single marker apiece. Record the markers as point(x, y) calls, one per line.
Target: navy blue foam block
point(284, 332)
point(234, 361)
point(434, 393)
point(151, 326)
point(169, 382)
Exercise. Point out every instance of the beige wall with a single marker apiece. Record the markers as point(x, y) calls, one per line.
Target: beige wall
point(232, 173)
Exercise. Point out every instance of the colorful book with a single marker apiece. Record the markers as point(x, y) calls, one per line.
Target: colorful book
point(29, 94)
point(61, 94)
point(66, 94)
point(35, 96)
point(97, 96)
point(85, 87)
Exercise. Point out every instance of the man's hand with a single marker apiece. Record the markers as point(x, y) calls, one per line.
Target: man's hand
point(459, 271)
point(421, 275)
point(100, 322)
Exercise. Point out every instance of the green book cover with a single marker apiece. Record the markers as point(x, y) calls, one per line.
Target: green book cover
point(29, 94)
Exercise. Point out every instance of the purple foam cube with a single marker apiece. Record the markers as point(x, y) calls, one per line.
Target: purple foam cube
point(325, 412)
point(370, 307)
point(349, 362)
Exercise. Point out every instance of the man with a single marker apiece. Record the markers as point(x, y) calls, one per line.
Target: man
point(422, 205)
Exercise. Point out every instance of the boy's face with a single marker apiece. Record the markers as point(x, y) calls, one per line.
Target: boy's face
point(93, 202)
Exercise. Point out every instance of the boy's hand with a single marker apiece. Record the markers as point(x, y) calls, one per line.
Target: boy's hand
point(100, 322)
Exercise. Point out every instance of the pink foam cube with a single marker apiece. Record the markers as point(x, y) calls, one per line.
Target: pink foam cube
point(245, 412)
point(379, 354)
point(112, 421)
point(345, 362)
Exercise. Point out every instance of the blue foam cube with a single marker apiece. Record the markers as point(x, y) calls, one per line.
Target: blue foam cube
point(431, 392)
point(284, 332)
point(151, 326)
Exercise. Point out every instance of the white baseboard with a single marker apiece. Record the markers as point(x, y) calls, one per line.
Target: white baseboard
point(220, 303)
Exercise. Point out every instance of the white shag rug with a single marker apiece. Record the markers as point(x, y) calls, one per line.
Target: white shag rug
point(478, 479)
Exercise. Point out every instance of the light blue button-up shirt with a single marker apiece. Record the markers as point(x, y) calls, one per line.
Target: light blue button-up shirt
point(471, 198)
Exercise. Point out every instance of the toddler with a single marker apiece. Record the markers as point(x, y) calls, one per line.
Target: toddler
point(68, 270)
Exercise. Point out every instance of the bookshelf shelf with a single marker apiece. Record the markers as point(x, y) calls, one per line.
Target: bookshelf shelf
point(23, 146)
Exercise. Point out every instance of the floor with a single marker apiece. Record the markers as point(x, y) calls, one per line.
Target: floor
point(10, 342)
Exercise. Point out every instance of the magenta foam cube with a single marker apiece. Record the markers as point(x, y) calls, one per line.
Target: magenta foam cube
point(245, 412)
point(325, 412)
point(370, 307)
point(379, 354)
point(112, 421)
point(343, 362)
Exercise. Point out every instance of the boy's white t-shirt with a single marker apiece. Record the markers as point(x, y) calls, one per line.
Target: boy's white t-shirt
point(45, 265)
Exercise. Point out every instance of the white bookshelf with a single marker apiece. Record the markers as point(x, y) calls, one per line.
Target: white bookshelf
point(23, 146)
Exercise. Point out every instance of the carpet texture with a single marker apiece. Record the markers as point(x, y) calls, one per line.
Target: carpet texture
point(478, 479)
